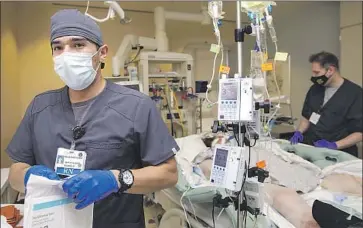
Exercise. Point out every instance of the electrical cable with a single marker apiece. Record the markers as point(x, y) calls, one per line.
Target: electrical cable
point(214, 223)
point(137, 55)
point(181, 203)
point(254, 225)
point(220, 213)
point(181, 121)
point(171, 115)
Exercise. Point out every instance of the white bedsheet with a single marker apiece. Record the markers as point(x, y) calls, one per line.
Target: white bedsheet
point(170, 198)
point(286, 169)
point(294, 167)
point(305, 176)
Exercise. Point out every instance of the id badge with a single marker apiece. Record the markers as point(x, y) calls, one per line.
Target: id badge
point(314, 118)
point(69, 162)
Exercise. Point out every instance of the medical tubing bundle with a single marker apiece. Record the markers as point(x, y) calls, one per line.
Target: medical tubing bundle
point(258, 24)
point(276, 84)
point(110, 14)
point(215, 12)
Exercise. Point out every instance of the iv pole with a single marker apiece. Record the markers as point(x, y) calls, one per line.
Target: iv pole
point(239, 64)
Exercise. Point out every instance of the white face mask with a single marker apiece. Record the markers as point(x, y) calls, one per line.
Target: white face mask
point(75, 69)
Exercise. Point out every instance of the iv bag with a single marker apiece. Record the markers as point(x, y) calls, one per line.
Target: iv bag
point(215, 9)
point(256, 59)
point(259, 87)
point(255, 6)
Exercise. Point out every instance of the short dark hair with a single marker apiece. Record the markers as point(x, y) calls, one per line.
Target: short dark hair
point(325, 59)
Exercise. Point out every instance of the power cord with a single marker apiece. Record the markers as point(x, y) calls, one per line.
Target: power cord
point(170, 113)
point(214, 222)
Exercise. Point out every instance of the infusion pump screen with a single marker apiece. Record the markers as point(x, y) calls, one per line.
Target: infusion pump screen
point(229, 91)
point(221, 158)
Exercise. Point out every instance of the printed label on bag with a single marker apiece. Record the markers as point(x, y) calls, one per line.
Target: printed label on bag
point(48, 212)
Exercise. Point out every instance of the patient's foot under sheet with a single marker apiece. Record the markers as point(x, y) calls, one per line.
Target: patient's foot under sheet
point(286, 169)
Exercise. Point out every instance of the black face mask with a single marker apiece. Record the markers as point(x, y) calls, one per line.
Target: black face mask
point(319, 80)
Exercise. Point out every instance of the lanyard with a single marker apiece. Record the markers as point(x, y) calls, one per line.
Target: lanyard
point(78, 131)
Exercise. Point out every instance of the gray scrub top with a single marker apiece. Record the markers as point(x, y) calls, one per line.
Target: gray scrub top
point(124, 129)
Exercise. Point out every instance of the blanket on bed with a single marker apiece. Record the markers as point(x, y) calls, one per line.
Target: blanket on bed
point(195, 161)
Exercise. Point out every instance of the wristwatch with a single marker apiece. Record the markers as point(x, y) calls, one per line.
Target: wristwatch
point(126, 179)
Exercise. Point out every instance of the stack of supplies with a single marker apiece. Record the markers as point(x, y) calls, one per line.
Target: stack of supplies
point(12, 215)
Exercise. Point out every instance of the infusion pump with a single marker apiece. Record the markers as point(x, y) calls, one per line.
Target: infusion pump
point(229, 97)
point(228, 167)
point(235, 99)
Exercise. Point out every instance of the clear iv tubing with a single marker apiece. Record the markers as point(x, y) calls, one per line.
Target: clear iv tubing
point(277, 87)
point(264, 40)
point(109, 14)
point(209, 86)
point(274, 40)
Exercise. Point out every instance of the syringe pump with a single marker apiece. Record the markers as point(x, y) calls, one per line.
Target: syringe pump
point(228, 167)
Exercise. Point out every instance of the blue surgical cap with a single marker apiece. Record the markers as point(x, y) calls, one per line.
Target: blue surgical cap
point(71, 22)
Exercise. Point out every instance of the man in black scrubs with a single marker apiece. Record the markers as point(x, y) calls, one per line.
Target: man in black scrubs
point(332, 112)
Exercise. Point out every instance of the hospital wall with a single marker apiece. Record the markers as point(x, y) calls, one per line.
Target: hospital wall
point(351, 40)
point(27, 67)
point(10, 81)
point(351, 44)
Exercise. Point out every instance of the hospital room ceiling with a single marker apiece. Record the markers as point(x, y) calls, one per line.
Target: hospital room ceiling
point(283, 9)
point(148, 7)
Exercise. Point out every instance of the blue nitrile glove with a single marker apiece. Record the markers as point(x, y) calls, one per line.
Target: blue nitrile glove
point(296, 138)
point(40, 170)
point(90, 186)
point(326, 144)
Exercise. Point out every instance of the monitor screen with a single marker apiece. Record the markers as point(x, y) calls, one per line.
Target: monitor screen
point(221, 158)
point(229, 91)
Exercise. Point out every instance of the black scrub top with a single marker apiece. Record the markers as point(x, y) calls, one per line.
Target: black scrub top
point(124, 129)
point(339, 117)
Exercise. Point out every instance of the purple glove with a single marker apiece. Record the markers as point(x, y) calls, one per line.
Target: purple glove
point(40, 170)
point(326, 144)
point(296, 138)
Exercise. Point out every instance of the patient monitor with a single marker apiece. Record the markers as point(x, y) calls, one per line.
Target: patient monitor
point(228, 167)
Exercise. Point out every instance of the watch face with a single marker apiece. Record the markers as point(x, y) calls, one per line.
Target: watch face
point(127, 177)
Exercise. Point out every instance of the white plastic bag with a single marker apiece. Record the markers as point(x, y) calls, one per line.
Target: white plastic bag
point(46, 205)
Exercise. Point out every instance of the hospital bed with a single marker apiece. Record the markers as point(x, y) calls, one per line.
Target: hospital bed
point(194, 201)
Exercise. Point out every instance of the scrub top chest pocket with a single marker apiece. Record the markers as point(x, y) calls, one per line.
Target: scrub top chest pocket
point(333, 116)
point(109, 155)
